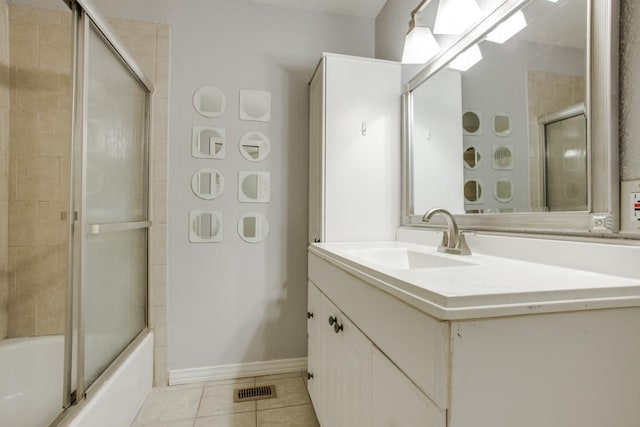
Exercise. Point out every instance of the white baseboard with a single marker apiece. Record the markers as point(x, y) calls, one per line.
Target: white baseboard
point(225, 372)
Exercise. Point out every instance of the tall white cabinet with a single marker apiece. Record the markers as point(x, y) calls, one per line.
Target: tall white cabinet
point(354, 150)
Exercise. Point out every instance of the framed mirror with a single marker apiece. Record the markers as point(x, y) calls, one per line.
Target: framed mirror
point(551, 66)
point(255, 105)
point(209, 101)
point(254, 187)
point(254, 146)
point(205, 226)
point(207, 142)
point(207, 183)
point(253, 227)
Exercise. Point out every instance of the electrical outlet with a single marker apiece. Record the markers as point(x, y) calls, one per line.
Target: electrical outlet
point(630, 206)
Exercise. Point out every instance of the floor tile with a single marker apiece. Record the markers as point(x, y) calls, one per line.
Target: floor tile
point(244, 419)
point(248, 380)
point(266, 378)
point(290, 391)
point(181, 423)
point(218, 400)
point(167, 404)
point(291, 416)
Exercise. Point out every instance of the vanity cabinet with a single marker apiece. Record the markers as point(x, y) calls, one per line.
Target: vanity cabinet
point(393, 365)
point(354, 149)
point(351, 382)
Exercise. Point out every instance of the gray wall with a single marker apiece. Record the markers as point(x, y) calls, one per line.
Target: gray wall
point(236, 302)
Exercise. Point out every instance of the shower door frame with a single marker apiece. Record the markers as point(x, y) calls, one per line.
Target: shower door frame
point(86, 15)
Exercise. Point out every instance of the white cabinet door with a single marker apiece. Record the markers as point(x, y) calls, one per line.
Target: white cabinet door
point(396, 401)
point(314, 383)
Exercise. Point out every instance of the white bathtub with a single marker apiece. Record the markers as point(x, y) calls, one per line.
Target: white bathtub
point(31, 372)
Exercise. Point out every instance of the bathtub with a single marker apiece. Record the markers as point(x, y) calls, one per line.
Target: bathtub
point(31, 375)
point(31, 372)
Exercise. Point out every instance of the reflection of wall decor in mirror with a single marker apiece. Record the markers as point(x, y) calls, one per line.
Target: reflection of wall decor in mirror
point(209, 101)
point(255, 105)
point(207, 183)
point(471, 157)
point(207, 142)
point(502, 157)
point(503, 190)
point(473, 191)
point(531, 69)
point(205, 226)
point(501, 124)
point(254, 146)
point(253, 227)
point(471, 123)
point(254, 187)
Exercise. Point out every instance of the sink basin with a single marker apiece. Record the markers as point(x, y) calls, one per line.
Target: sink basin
point(403, 258)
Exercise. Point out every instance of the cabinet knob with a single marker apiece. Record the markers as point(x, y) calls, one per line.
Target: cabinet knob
point(332, 320)
point(337, 327)
point(309, 315)
point(309, 376)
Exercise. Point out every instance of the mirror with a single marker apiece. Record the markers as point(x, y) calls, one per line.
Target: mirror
point(501, 124)
point(209, 101)
point(471, 123)
point(205, 226)
point(254, 146)
point(207, 183)
point(471, 157)
point(255, 105)
point(253, 227)
point(525, 68)
point(254, 187)
point(207, 143)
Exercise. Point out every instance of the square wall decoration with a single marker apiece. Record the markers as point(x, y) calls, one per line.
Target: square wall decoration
point(255, 105)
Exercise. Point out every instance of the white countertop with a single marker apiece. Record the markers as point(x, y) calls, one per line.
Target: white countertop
point(487, 286)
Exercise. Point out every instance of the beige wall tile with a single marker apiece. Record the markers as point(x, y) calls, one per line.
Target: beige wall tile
point(36, 178)
point(160, 118)
point(24, 54)
point(159, 244)
point(54, 134)
point(23, 217)
point(158, 286)
point(55, 58)
point(52, 230)
point(23, 15)
point(51, 306)
point(23, 33)
point(36, 268)
point(23, 134)
point(60, 34)
point(160, 367)
point(159, 206)
point(22, 314)
point(160, 325)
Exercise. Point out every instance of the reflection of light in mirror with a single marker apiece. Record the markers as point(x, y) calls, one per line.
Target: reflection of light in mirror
point(573, 159)
point(456, 16)
point(508, 28)
point(419, 46)
point(467, 59)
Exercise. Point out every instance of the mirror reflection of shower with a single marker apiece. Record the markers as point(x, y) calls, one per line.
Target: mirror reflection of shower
point(565, 159)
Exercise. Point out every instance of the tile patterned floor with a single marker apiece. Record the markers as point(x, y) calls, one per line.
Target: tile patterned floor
point(211, 404)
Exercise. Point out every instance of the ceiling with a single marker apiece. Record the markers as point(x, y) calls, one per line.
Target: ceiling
point(364, 8)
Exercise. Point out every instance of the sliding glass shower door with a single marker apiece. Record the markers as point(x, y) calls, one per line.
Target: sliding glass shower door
point(111, 204)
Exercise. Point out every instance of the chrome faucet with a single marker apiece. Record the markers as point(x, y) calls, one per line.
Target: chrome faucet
point(453, 241)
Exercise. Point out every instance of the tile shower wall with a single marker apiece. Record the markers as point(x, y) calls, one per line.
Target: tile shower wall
point(546, 93)
point(4, 163)
point(40, 124)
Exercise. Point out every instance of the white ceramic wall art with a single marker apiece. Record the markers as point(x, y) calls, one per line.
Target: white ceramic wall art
point(205, 226)
point(208, 142)
point(501, 124)
point(254, 146)
point(253, 227)
point(254, 187)
point(207, 183)
point(472, 122)
point(209, 101)
point(502, 157)
point(473, 191)
point(503, 190)
point(255, 105)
